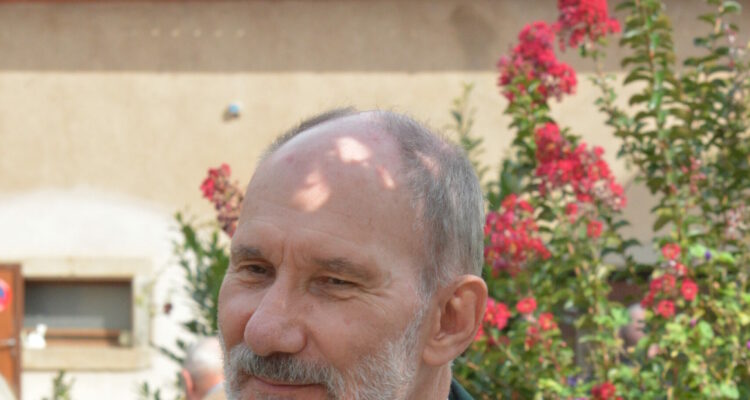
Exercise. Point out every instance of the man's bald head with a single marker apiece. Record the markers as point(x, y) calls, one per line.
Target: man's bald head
point(442, 186)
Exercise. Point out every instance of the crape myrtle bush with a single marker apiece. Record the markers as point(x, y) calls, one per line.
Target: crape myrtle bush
point(552, 234)
point(553, 241)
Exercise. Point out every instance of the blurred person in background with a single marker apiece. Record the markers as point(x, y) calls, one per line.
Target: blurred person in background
point(202, 371)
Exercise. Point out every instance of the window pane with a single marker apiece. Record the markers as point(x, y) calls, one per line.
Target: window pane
point(82, 305)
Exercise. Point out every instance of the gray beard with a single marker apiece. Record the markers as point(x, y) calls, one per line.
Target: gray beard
point(385, 375)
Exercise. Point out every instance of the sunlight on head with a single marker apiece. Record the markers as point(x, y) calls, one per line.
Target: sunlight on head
point(352, 150)
point(314, 193)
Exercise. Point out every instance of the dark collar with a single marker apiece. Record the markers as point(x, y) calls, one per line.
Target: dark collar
point(458, 392)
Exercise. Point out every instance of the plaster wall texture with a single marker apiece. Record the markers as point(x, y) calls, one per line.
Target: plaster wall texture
point(110, 112)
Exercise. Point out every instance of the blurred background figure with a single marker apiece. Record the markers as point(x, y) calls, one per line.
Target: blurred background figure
point(202, 371)
point(634, 330)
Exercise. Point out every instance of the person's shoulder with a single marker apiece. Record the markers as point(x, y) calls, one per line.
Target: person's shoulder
point(458, 392)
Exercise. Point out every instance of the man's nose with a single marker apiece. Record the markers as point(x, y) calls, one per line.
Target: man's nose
point(276, 326)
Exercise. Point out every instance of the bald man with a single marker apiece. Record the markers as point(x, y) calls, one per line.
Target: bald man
point(355, 267)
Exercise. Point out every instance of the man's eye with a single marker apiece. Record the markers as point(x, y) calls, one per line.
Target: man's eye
point(255, 269)
point(337, 282)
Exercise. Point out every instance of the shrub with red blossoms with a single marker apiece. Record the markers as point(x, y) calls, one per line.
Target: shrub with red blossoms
point(526, 305)
point(689, 289)
point(225, 195)
point(604, 391)
point(582, 171)
point(534, 59)
point(512, 239)
point(671, 251)
point(584, 19)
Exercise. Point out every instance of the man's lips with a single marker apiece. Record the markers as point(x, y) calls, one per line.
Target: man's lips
point(270, 386)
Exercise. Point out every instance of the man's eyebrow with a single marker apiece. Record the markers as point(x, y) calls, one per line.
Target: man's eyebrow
point(245, 252)
point(344, 266)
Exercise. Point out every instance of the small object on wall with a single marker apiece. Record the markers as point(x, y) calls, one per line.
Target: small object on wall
point(233, 111)
point(6, 295)
point(36, 338)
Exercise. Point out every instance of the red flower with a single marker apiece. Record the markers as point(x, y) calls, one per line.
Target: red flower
point(689, 289)
point(560, 166)
point(594, 229)
point(547, 321)
point(671, 251)
point(680, 269)
point(584, 18)
point(208, 187)
point(526, 306)
point(604, 391)
point(665, 308)
point(534, 59)
point(532, 336)
point(571, 210)
point(496, 314)
point(669, 282)
point(225, 196)
point(511, 237)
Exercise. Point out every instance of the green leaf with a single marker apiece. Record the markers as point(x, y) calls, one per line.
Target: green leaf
point(729, 390)
point(726, 257)
point(730, 7)
point(697, 251)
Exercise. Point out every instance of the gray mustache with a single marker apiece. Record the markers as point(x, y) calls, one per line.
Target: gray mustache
point(282, 368)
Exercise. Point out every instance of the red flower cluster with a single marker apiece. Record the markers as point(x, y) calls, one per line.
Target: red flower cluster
point(225, 195)
point(534, 59)
point(511, 237)
point(495, 316)
point(584, 18)
point(671, 251)
point(604, 391)
point(583, 171)
point(664, 288)
point(545, 322)
point(526, 305)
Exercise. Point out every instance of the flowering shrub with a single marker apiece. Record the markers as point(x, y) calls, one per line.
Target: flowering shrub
point(225, 195)
point(553, 245)
point(553, 241)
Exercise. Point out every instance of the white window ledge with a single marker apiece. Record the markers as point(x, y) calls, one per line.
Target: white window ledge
point(86, 358)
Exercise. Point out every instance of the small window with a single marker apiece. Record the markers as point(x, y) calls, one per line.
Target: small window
point(80, 312)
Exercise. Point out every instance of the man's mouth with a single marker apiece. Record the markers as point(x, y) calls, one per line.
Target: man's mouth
point(265, 385)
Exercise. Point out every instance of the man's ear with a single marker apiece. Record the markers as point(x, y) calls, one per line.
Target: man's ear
point(456, 321)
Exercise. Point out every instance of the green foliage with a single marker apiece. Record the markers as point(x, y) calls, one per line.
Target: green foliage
point(60, 387)
point(463, 121)
point(204, 261)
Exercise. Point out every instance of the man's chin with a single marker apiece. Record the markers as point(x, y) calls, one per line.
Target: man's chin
point(262, 389)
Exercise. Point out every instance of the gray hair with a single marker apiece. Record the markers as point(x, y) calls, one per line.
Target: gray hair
point(445, 192)
point(204, 358)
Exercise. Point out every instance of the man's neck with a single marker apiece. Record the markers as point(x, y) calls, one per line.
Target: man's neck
point(434, 385)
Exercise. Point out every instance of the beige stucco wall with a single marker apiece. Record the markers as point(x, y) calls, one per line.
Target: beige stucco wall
point(118, 107)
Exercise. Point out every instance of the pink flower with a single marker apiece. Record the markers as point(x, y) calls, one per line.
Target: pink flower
point(547, 321)
point(526, 305)
point(496, 314)
point(689, 289)
point(604, 391)
point(581, 19)
point(225, 196)
point(671, 251)
point(534, 59)
point(594, 229)
point(665, 308)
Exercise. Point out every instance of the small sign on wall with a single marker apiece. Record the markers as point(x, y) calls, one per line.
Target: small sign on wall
point(6, 295)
